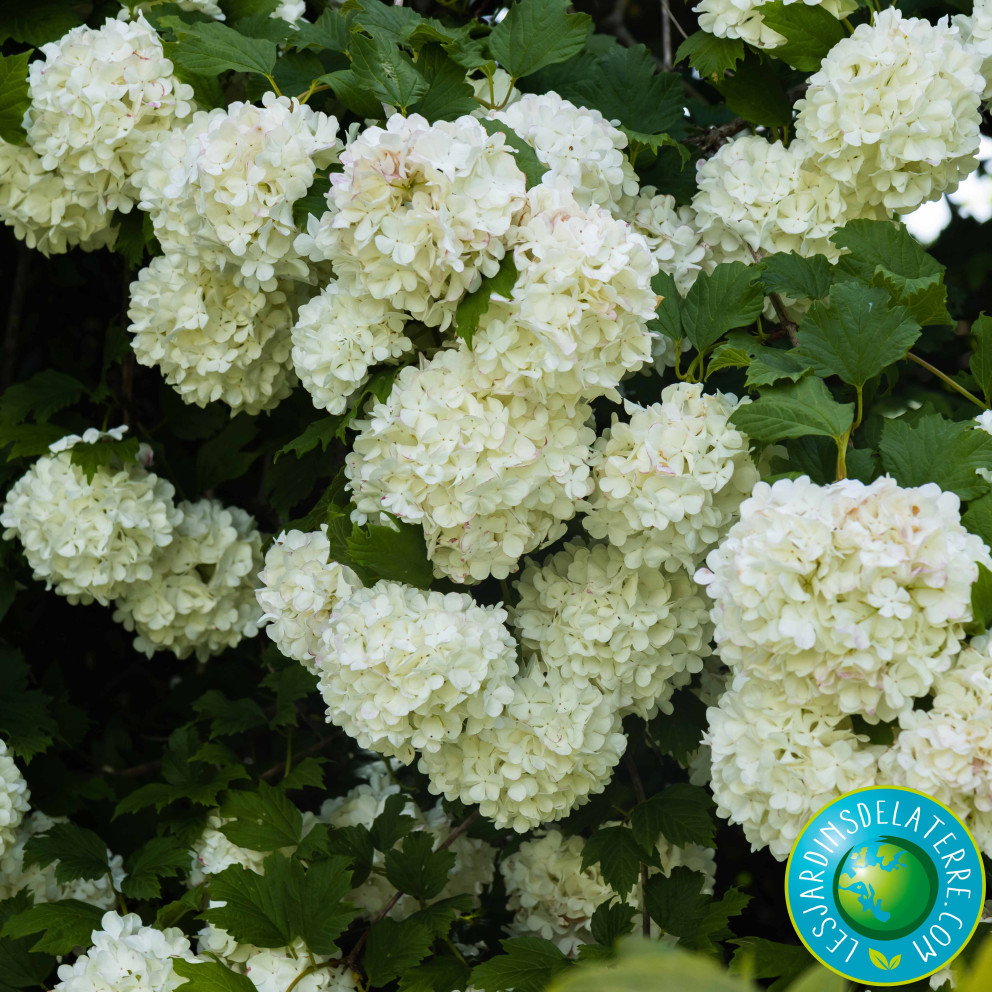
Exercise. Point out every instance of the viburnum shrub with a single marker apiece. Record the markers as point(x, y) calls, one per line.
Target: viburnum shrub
point(476, 483)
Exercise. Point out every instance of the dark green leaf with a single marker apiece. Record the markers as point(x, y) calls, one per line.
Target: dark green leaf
point(38, 22)
point(474, 305)
point(619, 856)
point(398, 553)
point(528, 965)
point(209, 49)
point(19, 967)
point(331, 32)
point(26, 720)
point(289, 683)
point(795, 276)
point(14, 99)
point(263, 821)
point(448, 95)
point(794, 410)
point(229, 716)
point(981, 359)
point(676, 903)
point(161, 857)
point(439, 974)
point(457, 43)
point(63, 925)
point(682, 814)
point(394, 947)
point(728, 297)
point(171, 913)
point(857, 335)
point(981, 601)
point(80, 853)
point(390, 23)
point(680, 732)
point(755, 93)
point(761, 958)
point(710, 56)
point(210, 976)
point(809, 32)
point(933, 449)
point(388, 74)
point(612, 921)
point(977, 518)
point(307, 773)
point(353, 93)
point(354, 844)
point(392, 824)
point(536, 33)
point(264, 25)
point(668, 319)
point(223, 457)
point(769, 365)
point(440, 917)
point(417, 868)
point(106, 452)
point(527, 160)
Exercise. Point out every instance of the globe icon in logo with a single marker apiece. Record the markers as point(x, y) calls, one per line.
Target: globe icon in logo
point(885, 887)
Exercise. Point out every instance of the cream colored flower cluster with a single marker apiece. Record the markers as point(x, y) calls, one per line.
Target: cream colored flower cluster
point(552, 896)
point(742, 19)
point(180, 575)
point(831, 602)
point(14, 800)
point(976, 32)
point(637, 631)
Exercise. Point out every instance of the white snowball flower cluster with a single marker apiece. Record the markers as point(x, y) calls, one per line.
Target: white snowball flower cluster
point(776, 762)
point(473, 869)
point(211, 338)
point(222, 188)
point(200, 598)
point(43, 211)
point(638, 631)
point(419, 212)
point(576, 320)
point(41, 883)
point(946, 751)
point(14, 800)
point(859, 593)
point(90, 538)
point(212, 852)
point(99, 98)
point(575, 143)
point(338, 336)
point(490, 474)
point(893, 112)
point(127, 957)
point(208, 8)
point(976, 33)
point(742, 19)
point(669, 482)
point(401, 668)
point(554, 897)
point(761, 196)
point(554, 747)
point(300, 588)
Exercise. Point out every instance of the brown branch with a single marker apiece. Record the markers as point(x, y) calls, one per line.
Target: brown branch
point(712, 138)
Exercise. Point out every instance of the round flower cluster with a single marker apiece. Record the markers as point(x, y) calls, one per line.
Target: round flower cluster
point(402, 669)
point(576, 320)
point(976, 33)
point(491, 474)
point(555, 746)
point(14, 800)
point(126, 957)
point(554, 897)
point(946, 751)
point(858, 593)
point(670, 481)
point(43, 211)
point(636, 631)
point(209, 8)
point(757, 196)
point(742, 19)
point(41, 883)
point(99, 98)
point(776, 762)
point(472, 871)
point(575, 143)
point(90, 538)
point(200, 598)
point(893, 112)
point(222, 188)
point(300, 588)
point(418, 214)
point(338, 336)
point(212, 338)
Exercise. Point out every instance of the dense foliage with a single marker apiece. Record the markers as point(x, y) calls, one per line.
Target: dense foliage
point(477, 479)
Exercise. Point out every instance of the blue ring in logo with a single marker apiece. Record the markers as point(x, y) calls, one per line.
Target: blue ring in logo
point(885, 885)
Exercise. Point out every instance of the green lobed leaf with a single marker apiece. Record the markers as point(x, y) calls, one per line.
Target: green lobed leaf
point(795, 276)
point(981, 358)
point(770, 365)
point(472, 307)
point(528, 964)
point(934, 449)
point(619, 856)
point(104, 453)
point(977, 518)
point(158, 858)
point(448, 94)
point(36, 23)
point(857, 335)
point(209, 49)
point(612, 921)
point(438, 974)
point(26, 720)
point(355, 845)
point(809, 32)
point(680, 732)
point(392, 824)
point(20, 968)
point(526, 158)
point(394, 947)
point(79, 853)
point(668, 314)
point(307, 773)
point(210, 976)
point(709, 55)
point(416, 868)
point(682, 814)
point(229, 716)
point(398, 552)
point(63, 925)
point(14, 99)
point(755, 93)
point(387, 73)
point(536, 33)
point(388, 22)
point(730, 296)
point(676, 902)
point(262, 821)
point(758, 957)
point(349, 88)
point(795, 409)
point(330, 32)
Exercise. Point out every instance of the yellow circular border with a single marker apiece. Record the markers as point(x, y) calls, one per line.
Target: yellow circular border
point(854, 792)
